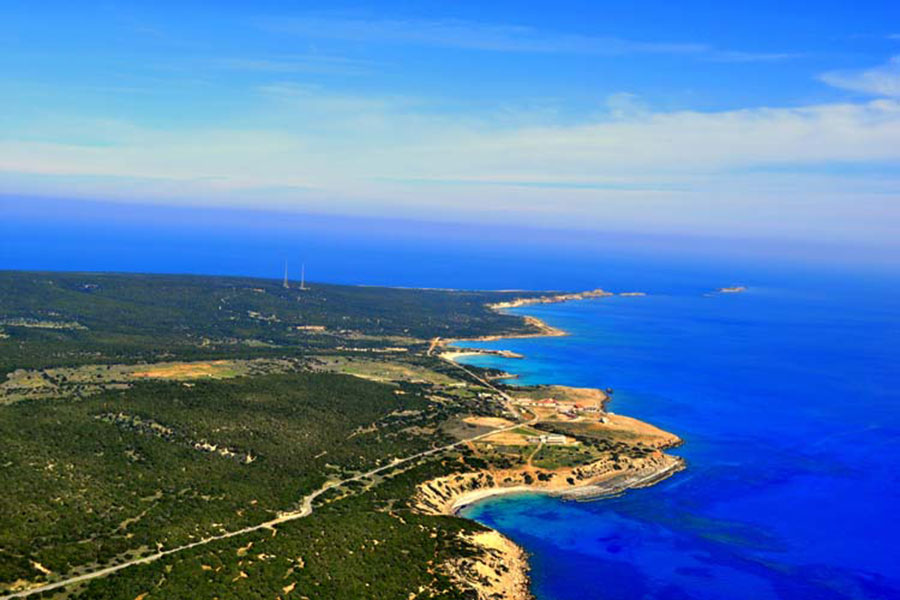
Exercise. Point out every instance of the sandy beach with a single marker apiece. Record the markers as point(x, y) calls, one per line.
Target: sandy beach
point(450, 494)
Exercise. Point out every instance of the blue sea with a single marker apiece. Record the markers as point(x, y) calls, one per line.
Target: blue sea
point(786, 396)
point(787, 399)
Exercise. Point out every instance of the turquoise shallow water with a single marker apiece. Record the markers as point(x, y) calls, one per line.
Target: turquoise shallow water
point(786, 397)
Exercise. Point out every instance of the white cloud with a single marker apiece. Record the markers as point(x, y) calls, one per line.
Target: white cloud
point(348, 137)
point(314, 150)
point(882, 81)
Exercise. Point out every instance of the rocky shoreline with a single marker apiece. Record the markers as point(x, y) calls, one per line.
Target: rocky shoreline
point(449, 494)
point(498, 568)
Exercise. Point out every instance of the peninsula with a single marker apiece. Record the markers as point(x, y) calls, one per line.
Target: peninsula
point(550, 298)
point(224, 437)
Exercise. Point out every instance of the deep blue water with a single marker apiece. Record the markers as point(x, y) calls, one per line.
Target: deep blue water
point(787, 399)
point(786, 396)
point(68, 235)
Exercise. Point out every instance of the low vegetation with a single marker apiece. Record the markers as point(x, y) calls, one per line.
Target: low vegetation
point(140, 413)
point(123, 319)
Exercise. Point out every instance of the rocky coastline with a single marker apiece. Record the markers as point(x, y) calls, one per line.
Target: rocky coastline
point(497, 568)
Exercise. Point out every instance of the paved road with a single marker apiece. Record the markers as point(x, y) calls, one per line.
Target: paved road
point(306, 509)
point(509, 404)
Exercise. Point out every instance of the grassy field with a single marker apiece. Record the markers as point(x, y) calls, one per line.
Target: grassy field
point(30, 384)
point(384, 371)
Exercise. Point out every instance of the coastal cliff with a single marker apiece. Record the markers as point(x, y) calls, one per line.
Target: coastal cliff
point(498, 568)
point(447, 495)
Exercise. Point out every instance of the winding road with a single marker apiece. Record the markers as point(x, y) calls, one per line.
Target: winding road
point(306, 509)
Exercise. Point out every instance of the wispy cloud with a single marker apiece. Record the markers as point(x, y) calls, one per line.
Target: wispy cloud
point(318, 149)
point(617, 185)
point(339, 142)
point(883, 80)
point(305, 63)
point(470, 35)
point(737, 56)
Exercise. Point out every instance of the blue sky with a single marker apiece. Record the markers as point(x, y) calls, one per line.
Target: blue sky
point(763, 118)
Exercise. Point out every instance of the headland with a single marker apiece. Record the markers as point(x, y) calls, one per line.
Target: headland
point(596, 454)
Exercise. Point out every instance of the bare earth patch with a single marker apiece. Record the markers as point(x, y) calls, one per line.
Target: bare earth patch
point(193, 370)
point(499, 572)
point(496, 422)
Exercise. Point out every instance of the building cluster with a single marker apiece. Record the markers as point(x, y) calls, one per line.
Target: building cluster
point(567, 410)
point(385, 350)
point(549, 438)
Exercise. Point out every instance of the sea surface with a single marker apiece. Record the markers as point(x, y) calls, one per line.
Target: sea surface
point(787, 399)
point(786, 395)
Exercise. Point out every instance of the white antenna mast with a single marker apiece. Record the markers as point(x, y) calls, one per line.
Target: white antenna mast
point(285, 283)
point(302, 276)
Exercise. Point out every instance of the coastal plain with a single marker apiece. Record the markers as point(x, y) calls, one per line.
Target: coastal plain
point(183, 436)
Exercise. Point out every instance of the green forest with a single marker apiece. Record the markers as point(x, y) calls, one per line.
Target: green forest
point(51, 319)
point(100, 477)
